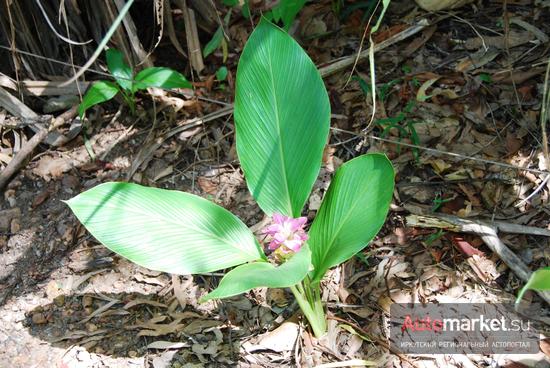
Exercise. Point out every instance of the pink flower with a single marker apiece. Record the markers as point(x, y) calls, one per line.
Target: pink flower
point(286, 231)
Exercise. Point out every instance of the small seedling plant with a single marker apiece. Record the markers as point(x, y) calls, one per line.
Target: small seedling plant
point(127, 84)
point(282, 118)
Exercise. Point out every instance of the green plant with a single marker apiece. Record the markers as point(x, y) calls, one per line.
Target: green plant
point(286, 11)
point(539, 280)
point(218, 39)
point(127, 84)
point(439, 201)
point(404, 126)
point(282, 117)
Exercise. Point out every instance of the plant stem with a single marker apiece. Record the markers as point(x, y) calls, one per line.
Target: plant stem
point(130, 101)
point(313, 309)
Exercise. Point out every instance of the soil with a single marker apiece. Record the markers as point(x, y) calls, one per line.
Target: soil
point(67, 301)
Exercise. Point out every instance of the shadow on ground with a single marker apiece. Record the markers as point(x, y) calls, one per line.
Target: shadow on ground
point(129, 325)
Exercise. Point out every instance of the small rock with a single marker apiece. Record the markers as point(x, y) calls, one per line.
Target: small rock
point(15, 226)
point(6, 216)
point(14, 184)
point(9, 193)
point(91, 327)
point(87, 301)
point(39, 319)
point(61, 228)
point(12, 201)
point(70, 183)
point(59, 300)
point(132, 354)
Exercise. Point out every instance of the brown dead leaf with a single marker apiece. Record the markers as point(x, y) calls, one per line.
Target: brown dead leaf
point(199, 325)
point(179, 288)
point(513, 39)
point(49, 167)
point(140, 301)
point(484, 268)
point(470, 193)
point(210, 349)
point(517, 77)
point(477, 60)
point(437, 254)
point(207, 185)
point(382, 35)
point(164, 345)
point(277, 298)
point(437, 5)
point(465, 247)
point(154, 329)
point(396, 296)
point(439, 165)
point(163, 360)
point(513, 143)
point(280, 339)
point(419, 41)
point(363, 312)
point(545, 346)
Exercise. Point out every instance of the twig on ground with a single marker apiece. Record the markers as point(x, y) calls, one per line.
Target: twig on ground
point(17, 108)
point(488, 233)
point(350, 60)
point(440, 152)
point(17, 162)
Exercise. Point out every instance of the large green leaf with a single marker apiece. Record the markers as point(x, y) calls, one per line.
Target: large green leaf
point(160, 77)
point(352, 212)
point(97, 93)
point(282, 118)
point(263, 274)
point(539, 280)
point(165, 230)
point(119, 69)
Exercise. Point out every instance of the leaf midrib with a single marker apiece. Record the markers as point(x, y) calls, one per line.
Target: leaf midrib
point(352, 208)
point(279, 131)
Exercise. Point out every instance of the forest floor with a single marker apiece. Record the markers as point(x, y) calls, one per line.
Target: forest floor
point(469, 84)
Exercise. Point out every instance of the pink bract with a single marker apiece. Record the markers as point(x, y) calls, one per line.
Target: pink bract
point(287, 232)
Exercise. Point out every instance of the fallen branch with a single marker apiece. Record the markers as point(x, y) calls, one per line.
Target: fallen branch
point(17, 108)
point(20, 157)
point(488, 233)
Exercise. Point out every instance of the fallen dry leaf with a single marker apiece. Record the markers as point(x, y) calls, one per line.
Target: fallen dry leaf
point(465, 247)
point(140, 301)
point(280, 339)
point(437, 5)
point(484, 268)
point(49, 167)
point(164, 345)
